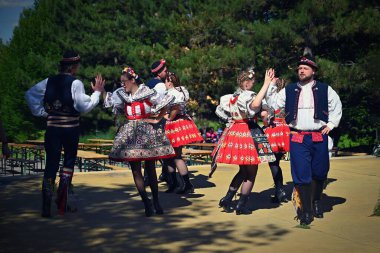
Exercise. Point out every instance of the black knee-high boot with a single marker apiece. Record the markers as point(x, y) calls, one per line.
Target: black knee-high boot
point(306, 207)
point(317, 195)
point(242, 206)
point(47, 194)
point(172, 182)
point(147, 204)
point(188, 186)
point(226, 201)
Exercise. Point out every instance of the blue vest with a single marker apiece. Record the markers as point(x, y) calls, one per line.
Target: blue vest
point(153, 82)
point(293, 91)
point(58, 100)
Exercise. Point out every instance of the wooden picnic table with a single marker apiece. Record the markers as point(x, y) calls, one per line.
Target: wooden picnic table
point(25, 156)
point(99, 147)
point(89, 160)
point(38, 142)
point(197, 155)
point(100, 140)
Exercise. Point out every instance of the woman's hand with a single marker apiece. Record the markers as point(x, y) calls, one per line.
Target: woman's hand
point(269, 76)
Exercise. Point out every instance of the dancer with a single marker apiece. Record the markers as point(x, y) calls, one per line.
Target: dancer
point(312, 110)
point(277, 132)
point(180, 130)
point(61, 99)
point(243, 141)
point(159, 71)
point(141, 138)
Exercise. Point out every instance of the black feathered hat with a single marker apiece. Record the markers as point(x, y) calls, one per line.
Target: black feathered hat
point(308, 59)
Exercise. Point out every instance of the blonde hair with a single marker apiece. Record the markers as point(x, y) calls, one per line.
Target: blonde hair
point(244, 76)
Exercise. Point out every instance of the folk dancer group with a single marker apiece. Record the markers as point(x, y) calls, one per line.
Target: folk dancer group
point(297, 119)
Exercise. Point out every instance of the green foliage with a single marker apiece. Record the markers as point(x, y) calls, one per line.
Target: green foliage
point(206, 42)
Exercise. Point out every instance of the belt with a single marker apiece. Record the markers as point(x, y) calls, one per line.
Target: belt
point(62, 121)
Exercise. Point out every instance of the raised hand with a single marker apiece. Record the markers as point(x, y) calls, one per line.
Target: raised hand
point(99, 83)
point(269, 76)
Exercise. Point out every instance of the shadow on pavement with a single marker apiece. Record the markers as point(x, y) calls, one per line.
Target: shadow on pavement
point(112, 220)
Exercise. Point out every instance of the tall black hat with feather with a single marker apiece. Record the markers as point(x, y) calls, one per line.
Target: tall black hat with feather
point(308, 59)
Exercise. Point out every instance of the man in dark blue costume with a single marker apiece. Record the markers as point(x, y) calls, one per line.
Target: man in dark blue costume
point(312, 110)
point(61, 99)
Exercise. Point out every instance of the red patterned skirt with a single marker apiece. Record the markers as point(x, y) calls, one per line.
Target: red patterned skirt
point(278, 136)
point(182, 131)
point(243, 143)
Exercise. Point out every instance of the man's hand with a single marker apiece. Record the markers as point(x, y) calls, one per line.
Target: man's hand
point(99, 83)
point(326, 130)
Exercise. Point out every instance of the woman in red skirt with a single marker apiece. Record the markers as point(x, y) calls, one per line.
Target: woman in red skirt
point(243, 141)
point(180, 130)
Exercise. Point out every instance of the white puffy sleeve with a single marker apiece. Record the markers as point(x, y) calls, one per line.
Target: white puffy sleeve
point(35, 99)
point(223, 109)
point(160, 101)
point(82, 102)
point(114, 100)
point(334, 107)
point(275, 99)
point(244, 101)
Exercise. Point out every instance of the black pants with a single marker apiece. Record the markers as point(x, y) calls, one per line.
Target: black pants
point(57, 138)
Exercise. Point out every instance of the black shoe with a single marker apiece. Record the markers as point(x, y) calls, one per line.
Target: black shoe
point(172, 182)
point(280, 196)
point(226, 202)
point(148, 208)
point(242, 206)
point(317, 208)
point(306, 219)
point(189, 188)
point(158, 207)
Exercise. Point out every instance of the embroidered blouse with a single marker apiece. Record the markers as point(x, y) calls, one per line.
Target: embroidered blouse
point(144, 103)
point(181, 96)
point(237, 106)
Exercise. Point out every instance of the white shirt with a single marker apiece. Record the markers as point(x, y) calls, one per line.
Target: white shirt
point(305, 117)
point(82, 102)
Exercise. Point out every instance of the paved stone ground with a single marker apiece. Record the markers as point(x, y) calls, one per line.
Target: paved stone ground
point(111, 217)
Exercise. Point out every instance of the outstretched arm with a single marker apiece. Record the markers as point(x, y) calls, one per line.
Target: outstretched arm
point(256, 103)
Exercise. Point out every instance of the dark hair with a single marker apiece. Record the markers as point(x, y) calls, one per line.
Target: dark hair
point(130, 74)
point(172, 77)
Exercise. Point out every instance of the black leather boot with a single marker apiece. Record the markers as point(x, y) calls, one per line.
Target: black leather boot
point(188, 186)
point(172, 182)
point(306, 208)
point(226, 201)
point(47, 194)
point(280, 195)
point(157, 207)
point(317, 195)
point(242, 206)
point(147, 204)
